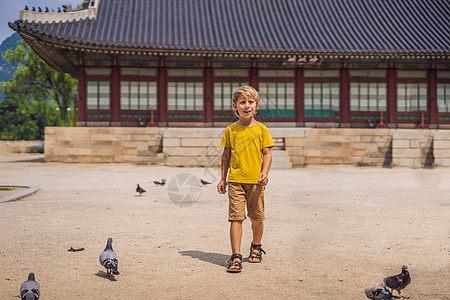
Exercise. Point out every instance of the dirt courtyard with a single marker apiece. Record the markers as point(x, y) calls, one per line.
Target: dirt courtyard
point(330, 232)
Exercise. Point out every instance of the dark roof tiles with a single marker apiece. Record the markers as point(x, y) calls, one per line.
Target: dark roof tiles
point(359, 26)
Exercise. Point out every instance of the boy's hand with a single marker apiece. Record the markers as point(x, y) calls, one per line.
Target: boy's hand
point(222, 187)
point(263, 179)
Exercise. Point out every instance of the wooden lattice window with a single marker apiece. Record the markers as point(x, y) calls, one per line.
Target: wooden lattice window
point(367, 96)
point(411, 97)
point(98, 95)
point(277, 99)
point(138, 95)
point(321, 99)
point(185, 95)
point(443, 97)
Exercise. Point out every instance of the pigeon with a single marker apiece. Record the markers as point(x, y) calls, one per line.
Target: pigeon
point(140, 190)
point(59, 9)
point(398, 282)
point(204, 182)
point(34, 9)
point(30, 289)
point(108, 259)
point(46, 9)
point(26, 7)
point(161, 183)
point(379, 292)
point(39, 9)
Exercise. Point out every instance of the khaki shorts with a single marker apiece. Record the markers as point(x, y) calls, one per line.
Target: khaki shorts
point(240, 194)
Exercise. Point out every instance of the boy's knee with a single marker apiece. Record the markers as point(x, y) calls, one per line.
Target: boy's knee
point(236, 221)
point(257, 222)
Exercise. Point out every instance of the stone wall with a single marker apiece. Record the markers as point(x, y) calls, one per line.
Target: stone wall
point(361, 147)
point(20, 146)
point(441, 148)
point(192, 146)
point(200, 147)
point(412, 148)
point(102, 144)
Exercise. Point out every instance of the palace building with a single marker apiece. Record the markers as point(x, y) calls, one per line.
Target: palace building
point(316, 63)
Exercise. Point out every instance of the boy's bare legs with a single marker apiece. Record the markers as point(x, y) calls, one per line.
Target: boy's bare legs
point(257, 228)
point(235, 238)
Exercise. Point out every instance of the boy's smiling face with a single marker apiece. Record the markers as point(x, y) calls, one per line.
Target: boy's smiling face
point(246, 107)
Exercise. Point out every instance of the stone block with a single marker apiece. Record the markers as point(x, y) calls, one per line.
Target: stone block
point(422, 143)
point(442, 135)
point(406, 134)
point(200, 142)
point(407, 152)
point(295, 151)
point(357, 153)
point(294, 142)
point(298, 161)
point(189, 132)
point(441, 153)
point(403, 162)
point(214, 151)
point(171, 142)
point(441, 144)
point(124, 158)
point(184, 151)
point(288, 132)
point(442, 162)
point(126, 151)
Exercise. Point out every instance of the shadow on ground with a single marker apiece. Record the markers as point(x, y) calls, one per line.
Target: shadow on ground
point(213, 258)
point(38, 159)
point(104, 275)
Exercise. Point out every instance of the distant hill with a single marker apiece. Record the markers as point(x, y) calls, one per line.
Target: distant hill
point(6, 70)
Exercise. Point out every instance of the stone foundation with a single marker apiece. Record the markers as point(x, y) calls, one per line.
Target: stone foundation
point(102, 144)
point(200, 147)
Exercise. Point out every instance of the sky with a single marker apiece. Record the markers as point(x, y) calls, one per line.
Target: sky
point(9, 11)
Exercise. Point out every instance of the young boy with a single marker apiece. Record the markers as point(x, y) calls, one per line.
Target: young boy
point(247, 153)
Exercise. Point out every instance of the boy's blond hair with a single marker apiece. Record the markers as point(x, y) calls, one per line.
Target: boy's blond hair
point(245, 91)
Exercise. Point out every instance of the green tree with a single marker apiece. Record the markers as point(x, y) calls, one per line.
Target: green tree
point(16, 120)
point(37, 81)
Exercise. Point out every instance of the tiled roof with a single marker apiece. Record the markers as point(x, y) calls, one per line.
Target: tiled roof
point(289, 26)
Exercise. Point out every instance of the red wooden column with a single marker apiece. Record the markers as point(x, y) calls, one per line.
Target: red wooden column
point(391, 101)
point(345, 96)
point(115, 94)
point(162, 94)
point(208, 97)
point(81, 94)
point(299, 96)
point(432, 97)
point(254, 77)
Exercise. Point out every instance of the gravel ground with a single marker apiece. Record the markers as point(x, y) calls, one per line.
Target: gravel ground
point(330, 232)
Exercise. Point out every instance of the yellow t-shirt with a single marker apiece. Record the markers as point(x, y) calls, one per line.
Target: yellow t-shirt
point(246, 143)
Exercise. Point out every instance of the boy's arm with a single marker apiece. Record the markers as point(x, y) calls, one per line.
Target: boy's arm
point(224, 164)
point(267, 161)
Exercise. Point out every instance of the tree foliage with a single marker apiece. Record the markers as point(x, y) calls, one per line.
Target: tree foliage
point(36, 97)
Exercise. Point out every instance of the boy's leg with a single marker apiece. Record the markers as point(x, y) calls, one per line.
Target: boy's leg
point(236, 196)
point(236, 237)
point(257, 228)
point(255, 205)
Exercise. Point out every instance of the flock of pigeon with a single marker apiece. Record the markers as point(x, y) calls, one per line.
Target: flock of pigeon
point(31, 289)
point(140, 190)
point(396, 282)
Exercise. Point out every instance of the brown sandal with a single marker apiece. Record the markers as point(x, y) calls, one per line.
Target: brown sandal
point(255, 252)
point(233, 263)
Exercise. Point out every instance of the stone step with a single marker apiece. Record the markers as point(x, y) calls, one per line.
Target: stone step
point(280, 160)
